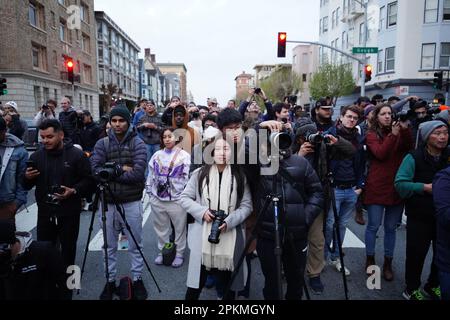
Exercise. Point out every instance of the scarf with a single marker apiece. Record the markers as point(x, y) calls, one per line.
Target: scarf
point(219, 255)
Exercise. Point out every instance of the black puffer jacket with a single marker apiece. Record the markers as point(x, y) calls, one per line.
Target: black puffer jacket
point(296, 212)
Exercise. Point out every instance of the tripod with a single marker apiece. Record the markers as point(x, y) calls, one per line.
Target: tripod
point(336, 234)
point(99, 197)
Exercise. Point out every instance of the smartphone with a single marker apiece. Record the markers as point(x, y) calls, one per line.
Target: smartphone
point(31, 164)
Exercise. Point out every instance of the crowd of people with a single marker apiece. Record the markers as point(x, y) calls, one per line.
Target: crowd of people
point(378, 159)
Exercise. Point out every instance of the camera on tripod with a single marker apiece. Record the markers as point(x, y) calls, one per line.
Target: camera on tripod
point(317, 138)
point(110, 171)
point(50, 197)
point(219, 217)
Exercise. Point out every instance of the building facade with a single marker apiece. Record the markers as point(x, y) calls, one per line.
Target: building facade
point(175, 74)
point(154, 76)
point(37, 38)
point(143, 81)
point(117, 59)
point(305, 62)
point(244, 82)
point(412, 37)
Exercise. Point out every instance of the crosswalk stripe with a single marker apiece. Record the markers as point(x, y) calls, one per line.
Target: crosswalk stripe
point(352, 241)
point(26, 220)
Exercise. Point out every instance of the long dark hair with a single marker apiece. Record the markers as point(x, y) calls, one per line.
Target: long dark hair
point(236, 172)
point(161, 136)
point(375, 124)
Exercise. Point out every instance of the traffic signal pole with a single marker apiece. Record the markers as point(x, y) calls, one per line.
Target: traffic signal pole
point(363, 66)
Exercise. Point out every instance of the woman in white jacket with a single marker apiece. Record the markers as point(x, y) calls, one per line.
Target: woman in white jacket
point(220, 186)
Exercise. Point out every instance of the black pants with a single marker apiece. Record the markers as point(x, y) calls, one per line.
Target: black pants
point(293, 259)
point(222, 279)
point(62, 231)
point(419, 235)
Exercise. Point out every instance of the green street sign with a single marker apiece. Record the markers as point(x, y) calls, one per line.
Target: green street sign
point(362, 50)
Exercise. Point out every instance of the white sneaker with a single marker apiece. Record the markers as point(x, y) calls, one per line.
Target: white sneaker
point(338, 266)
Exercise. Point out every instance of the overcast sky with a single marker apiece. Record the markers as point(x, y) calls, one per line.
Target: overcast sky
point(215, 39)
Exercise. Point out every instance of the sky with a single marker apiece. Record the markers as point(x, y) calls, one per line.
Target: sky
point(215, 39)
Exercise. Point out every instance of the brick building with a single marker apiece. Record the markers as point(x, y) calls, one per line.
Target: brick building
point(244, 82)
point(37, 36)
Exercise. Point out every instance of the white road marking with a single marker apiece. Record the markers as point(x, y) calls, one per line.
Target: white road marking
point(27, 220)
point(352, 241)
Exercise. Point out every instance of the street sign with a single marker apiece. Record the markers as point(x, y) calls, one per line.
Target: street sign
point(360, 50)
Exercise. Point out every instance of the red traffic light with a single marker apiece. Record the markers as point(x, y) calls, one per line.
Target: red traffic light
point(281, 44)
point(368, 72)
point(70, 64)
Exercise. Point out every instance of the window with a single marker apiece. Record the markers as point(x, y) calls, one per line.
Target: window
point(62, 31)
point(86, 43)
point(87, 73)
point(84, 13)
point(390, 59)
point(446, 13)
point(62, 2)
point(431, 11)
point(361, 33)
point(444, 60)
point(428, 52)
point(55, 58)
point(382, 17)
point(36, 15)
point(39, 57)
point(46, 94)
point(333, 19)
point(337, 16)
point(380, 61)
point(344, 37)
point(325, 24)
point(53, 16)
point(392, 14)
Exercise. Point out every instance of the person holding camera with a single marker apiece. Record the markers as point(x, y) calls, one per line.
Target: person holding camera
point(29, 270)
point(322, 115)
point(16, 126)
point(89, 133)
point(167, 116)
point(47, 111)
point(250, 104)
point(149, 127)
point(388, 142)
point(13, 157)
point(218, 197)
point(168, 175)
point(62, 176)
point(126, 153)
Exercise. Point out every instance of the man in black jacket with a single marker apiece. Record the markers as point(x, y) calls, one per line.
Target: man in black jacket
point(68, 119)
point(29, 270)
point(89, 133)
point(62, 175)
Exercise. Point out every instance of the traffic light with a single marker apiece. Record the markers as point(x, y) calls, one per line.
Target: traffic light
point(69, 66)
point(3, 86)
point(437, 82)
point(368, 72)
point(281, 44)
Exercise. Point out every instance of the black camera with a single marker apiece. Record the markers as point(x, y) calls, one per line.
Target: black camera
point(403, 115)
point(50, 197)
point(219, 218)
point(57, 189)
point(317, 138)
point(162, 189)
point(110, 171)
point(45, 107)
point(257, 90)
point(292, 100)
point(195, 114)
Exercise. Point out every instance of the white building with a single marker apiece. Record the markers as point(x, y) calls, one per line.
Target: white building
point(305, 61)
point(413, 37)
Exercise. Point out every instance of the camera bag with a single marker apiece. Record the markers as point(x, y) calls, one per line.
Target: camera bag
point(169, 252)
point(126, 288)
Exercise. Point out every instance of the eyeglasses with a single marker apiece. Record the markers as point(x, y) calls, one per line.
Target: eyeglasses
point(352, 117)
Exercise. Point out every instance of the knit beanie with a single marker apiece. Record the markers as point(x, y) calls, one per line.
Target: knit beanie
point(428, 127)
point(120, 111)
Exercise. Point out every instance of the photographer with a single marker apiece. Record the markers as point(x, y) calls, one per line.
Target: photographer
point(218, 197)
point(47, 112)
point(299, 206)
point(123, 148)
point(29, 270)
point(322, 115)
point(319, 155)
point(168, 174)
point(16, 126)
point(387, 142)
point(62, 176)
point(167, 116)
point(420, 115)
point(246, 104)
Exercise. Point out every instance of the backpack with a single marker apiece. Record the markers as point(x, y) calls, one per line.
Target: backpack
point(168, 253)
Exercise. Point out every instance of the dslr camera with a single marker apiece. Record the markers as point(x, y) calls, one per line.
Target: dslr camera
point(50, 197)
point(257, 90)
point(219, 217)
point(110, 171)
point(317, 138)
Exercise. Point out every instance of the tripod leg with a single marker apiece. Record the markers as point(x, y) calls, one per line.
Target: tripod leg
point(86, 249)
point(124, 219)
point(337, 234)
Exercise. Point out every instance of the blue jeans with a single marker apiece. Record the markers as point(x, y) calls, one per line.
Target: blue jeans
point(392, 219)
point(444, 279)
point(345, 205)
point(151, 150)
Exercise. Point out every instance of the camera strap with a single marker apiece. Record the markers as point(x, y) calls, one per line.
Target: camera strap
point(172, 163)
